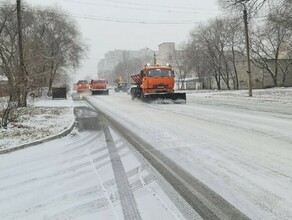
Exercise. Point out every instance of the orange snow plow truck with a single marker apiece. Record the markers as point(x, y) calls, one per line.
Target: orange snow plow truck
point(156, 82)
point(82, 86)
point(99, 87)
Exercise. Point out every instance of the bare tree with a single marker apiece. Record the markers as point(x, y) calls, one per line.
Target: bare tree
point(248, 7)
point(180, 64)
point(282, 14)
point(236, 5)
point(9, 49)
point(198, 62)
point(127, 67)
point(202, 36)
point(51, 46)
point(267, 48)
point(235, 45)
point(221, 43)
point(61, 43)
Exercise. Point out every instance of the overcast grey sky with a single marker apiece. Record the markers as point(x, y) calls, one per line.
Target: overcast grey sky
point(131, 24)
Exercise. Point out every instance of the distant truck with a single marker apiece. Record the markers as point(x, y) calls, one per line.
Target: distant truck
point(99, 87)
point(83, 86)
point(121, 86)
point(156, 82)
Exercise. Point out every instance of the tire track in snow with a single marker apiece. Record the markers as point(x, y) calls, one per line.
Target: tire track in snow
point(127, 199)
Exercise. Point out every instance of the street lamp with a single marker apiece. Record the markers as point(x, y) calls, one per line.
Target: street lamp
point(154, 55)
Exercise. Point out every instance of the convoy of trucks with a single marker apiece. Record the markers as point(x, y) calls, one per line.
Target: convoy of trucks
point(154, 82)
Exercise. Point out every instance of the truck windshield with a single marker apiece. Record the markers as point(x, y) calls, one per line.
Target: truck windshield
point(99, 82)
point(82, 82)
point(159, 72)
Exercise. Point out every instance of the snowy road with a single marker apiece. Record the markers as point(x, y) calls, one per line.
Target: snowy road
point(90, 174)
point(240, 148)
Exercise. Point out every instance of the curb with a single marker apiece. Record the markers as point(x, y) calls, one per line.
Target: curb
point(20, 147)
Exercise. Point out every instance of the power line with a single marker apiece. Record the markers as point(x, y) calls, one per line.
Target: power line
point(162, 6)
point(118, 20)
point(121, 20)
point(167, 9)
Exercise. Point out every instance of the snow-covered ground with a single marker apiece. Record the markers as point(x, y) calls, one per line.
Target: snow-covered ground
point(239, 146)
point(42, 119)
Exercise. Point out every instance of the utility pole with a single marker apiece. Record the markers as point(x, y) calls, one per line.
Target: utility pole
point(22, 74)
point(19, 26)
point(247, 51)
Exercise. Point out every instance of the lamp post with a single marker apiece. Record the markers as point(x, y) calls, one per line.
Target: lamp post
point(154, 55)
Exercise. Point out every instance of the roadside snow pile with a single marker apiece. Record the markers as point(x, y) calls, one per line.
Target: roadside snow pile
point(44, 119)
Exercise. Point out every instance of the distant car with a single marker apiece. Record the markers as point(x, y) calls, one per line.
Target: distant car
point(82, 86)
point(129, 91)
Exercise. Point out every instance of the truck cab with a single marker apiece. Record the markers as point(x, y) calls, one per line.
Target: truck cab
point(99, 86)
point(82, 86)
point(157, 79)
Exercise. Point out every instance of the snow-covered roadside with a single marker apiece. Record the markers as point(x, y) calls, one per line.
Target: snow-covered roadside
point(43, 119)
point(280, 94)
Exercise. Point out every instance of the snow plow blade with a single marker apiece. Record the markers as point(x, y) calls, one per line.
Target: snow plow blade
point(176, 97)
